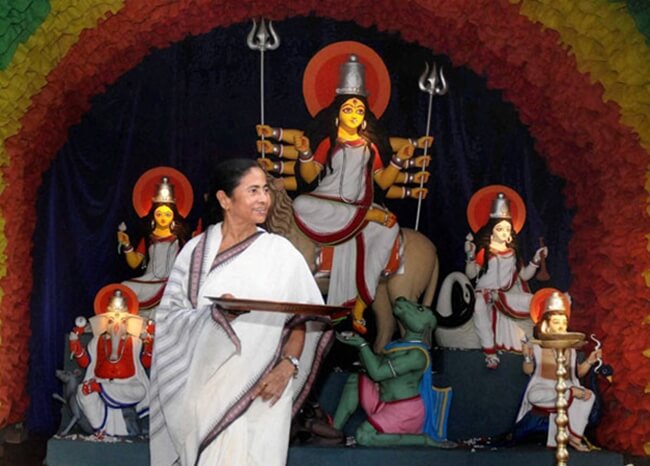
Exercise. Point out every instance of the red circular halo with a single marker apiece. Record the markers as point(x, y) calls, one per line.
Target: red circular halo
point(478, 209)
point(145, 190)
point(321, 76)
point(538, 301)
point(103, 297)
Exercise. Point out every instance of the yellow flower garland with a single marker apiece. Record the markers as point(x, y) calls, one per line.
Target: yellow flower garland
point(33, 60)
point(608, 46)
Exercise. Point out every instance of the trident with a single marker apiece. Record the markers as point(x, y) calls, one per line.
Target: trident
point(262, 39)
point(432, 84)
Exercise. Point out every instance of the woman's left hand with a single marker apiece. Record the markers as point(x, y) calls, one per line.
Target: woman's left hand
point(272, 386)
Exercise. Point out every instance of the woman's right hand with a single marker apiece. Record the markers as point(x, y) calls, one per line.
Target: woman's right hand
point(228, 314)
point(301, 143)
point(123, 238)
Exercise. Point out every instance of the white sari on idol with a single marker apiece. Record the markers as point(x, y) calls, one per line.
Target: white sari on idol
point(335, 214)
point(541, 394)
point(205, 368)
point(501, 315)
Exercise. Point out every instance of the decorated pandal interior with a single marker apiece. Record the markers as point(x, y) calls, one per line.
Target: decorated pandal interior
point(467, 186)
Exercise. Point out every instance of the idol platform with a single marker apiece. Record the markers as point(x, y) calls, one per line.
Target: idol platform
point(484, 405)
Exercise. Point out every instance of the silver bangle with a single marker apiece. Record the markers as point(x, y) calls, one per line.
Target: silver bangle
point(399, 163)
point(305, 155)
point(295, 362)
point(528, 359)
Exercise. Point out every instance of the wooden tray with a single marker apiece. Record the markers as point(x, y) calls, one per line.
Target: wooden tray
point(235, 304)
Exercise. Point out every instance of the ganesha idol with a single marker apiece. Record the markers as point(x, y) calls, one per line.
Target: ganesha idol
point(115, 389)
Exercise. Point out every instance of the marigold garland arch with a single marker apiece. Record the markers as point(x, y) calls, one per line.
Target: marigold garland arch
point(578, 133)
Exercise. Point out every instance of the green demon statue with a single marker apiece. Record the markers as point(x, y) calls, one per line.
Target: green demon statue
point(396, 391)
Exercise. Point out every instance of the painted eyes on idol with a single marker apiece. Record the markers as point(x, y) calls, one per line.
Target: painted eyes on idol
point(348, 110)
point(500, 229)
point(163, 215)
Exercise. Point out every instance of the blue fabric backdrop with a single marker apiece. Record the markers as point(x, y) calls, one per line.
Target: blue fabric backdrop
point(197, 102)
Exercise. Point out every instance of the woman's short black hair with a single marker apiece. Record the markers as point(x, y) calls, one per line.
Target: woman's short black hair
point(226, 177)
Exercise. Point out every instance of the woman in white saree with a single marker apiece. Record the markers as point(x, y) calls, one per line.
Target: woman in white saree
point(224, 386)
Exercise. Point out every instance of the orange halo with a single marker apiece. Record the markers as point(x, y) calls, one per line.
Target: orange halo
point(478, 209)
point(145, 190)
point(103, 297)
point(538, 302)
point(321, 76)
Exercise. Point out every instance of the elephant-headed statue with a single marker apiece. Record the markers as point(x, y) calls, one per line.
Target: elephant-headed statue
point(114, 392)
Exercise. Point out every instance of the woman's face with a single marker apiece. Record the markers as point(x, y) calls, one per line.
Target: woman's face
point(352, 113)
point(163, 216)
point(250, 200)
point(501, 232)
